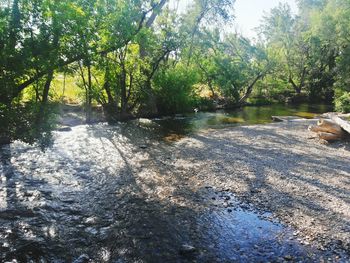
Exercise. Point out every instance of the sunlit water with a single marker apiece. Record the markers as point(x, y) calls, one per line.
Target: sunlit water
point(175, 127)
point(101, 193)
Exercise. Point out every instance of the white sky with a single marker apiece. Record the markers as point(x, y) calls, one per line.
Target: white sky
point(249, 13)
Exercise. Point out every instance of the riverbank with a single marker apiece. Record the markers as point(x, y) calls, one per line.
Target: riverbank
point(109, 193)
point(278, 168)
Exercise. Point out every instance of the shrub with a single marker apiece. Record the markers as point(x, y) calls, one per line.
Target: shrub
point(27, 122)
point(174, 89)
point(342, 103)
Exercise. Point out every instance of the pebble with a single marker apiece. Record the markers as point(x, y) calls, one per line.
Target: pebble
point(187, 249)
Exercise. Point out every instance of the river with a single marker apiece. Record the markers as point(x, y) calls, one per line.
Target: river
point(104, 193)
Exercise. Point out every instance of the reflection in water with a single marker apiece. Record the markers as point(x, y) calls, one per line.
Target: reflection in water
point(190, 123)
point(237, 233)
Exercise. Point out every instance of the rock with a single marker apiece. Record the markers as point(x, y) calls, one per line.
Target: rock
point(64, 129)
point(276, 118)
point(91, 220)
point(91, 230)
point(187, 250)
point(288, 257)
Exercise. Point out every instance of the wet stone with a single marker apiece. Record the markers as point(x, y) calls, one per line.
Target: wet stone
point(187, 250)
point(91, 230)
point(97, 200)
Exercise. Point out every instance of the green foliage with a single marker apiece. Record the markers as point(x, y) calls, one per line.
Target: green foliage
point(342, 103)
point(28, 122)
point(143, 58)
point(174, 89)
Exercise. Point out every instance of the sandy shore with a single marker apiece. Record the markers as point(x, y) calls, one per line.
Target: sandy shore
point(278, 168)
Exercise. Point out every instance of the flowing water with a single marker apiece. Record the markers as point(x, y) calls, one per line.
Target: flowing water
point(106, 193)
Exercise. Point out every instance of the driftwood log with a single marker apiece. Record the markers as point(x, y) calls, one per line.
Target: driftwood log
point(331, 130)
point(330, 127)
point(342, 123)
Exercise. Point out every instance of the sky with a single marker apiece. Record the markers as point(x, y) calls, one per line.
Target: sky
point(248, 13)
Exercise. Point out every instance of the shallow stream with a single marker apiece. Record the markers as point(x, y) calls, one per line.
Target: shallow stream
point(105, 193)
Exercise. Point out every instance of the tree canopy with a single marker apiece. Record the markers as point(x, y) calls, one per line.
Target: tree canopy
point(146, 57)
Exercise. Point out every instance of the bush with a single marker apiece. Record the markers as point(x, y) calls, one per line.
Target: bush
point(174, 89)
point(26, 122)
point(342, 103)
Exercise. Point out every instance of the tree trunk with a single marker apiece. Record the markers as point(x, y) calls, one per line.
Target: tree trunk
point(89, 95)
point(151, 98)
point(43, 106)
point(47, 87)
point(107, 87)
point(123, 95)
point(296, 88)
point(250, 89)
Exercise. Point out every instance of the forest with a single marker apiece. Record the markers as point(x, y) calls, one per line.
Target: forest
point(146, 58)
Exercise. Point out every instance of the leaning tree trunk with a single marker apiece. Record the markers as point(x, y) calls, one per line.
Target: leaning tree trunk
point(250, 89)
point(151, 103)
point(47, 86)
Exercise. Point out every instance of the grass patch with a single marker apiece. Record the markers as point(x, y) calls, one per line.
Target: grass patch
point(65, 89)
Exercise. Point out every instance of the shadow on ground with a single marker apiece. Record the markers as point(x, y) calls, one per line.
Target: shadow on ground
point(115, 194)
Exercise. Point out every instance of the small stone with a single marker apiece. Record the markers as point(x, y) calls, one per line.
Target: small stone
point(91, 230)
point(187, 249)
point(90, 220)
point(288, 257)
point(64, 129)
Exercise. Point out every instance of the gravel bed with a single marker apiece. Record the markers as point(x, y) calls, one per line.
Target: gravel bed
point(278, 168)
